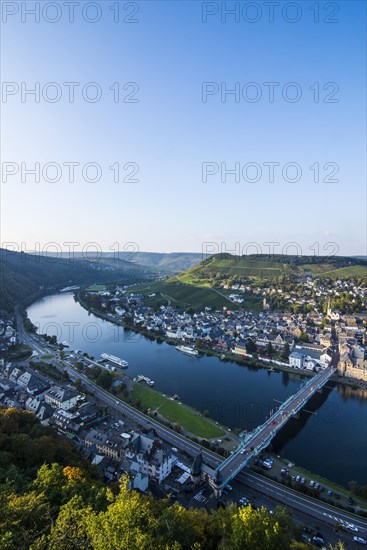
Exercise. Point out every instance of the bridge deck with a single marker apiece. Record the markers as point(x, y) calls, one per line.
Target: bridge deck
point(261, 437)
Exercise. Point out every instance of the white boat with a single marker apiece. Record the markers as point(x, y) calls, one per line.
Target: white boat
point(115, 360)
point(142, 378)
point(188, 350)
point(65, 344)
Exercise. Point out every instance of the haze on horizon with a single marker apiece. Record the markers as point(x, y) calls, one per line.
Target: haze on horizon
point(174, 144)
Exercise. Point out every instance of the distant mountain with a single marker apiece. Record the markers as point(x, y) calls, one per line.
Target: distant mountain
point(173, 262)
point(24, 277)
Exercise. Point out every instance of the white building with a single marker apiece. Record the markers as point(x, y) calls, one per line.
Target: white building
point(296, 360)
point(61, 398)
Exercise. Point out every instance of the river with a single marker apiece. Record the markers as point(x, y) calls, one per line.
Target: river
point(331, 442)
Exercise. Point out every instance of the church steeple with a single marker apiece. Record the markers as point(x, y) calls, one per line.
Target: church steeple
point(328, 313)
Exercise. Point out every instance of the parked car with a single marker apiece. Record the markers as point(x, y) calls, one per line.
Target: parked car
point(329, 493)
point(303, 480)
point(361, 540)
point(298, 478)
point(312, 483)
point(350, 500)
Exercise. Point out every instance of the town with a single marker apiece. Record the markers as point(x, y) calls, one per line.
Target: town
point(282, 339)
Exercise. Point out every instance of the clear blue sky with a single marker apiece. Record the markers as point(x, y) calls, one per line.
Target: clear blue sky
point(170, 131)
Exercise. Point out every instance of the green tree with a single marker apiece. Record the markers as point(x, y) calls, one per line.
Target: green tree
point(269, 349)
point(128, 523)
point(286, 351)
point(251, 346)
point(22, 519)
point(257, 530)
point(70, 531)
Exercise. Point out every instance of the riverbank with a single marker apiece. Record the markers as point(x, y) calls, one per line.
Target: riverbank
point(249, 362)
point(236, 397)
point(176, 412)
point(168, 410)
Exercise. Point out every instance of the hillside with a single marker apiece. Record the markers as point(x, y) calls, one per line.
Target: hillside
point(173, 262)
point(51, 499)
point(23, 277)
point(170, 262)
point(200, 286)
point(272, 266)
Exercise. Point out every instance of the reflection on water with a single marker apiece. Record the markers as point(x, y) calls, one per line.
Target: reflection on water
point(240, 397)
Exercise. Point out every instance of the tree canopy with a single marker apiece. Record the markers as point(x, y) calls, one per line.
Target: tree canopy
point(52, 499)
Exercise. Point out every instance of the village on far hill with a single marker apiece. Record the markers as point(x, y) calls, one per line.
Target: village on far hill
point(292, 328)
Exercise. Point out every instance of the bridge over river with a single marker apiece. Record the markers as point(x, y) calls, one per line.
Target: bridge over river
point(253, 443)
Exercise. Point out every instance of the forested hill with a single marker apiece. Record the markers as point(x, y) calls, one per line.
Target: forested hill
point(50, 499)
point(274, 265)
point(24, 277)
point(163, 262)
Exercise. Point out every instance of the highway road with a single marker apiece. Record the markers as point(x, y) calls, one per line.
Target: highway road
point(313, 508)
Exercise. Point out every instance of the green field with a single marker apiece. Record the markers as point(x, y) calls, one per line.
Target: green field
point(352, 271)
point(244, 267)
point(174, 412)
point(96, 288)
point(183, 295)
